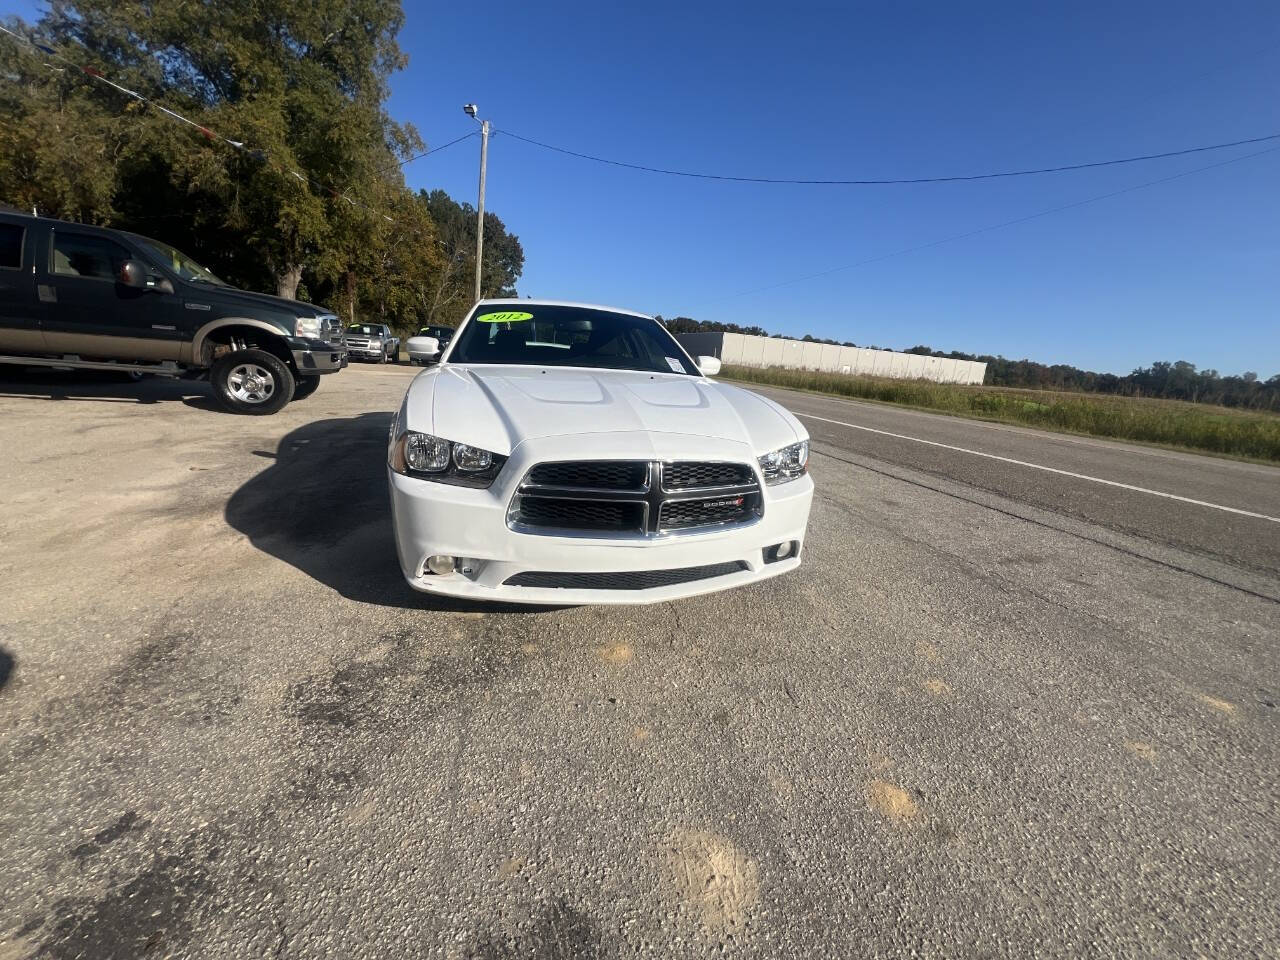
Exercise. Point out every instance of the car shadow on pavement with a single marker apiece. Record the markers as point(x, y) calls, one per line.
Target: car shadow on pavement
point(7, 663)
point(323, 507)
point(101, 386)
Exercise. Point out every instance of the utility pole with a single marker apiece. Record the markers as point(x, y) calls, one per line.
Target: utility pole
point(471, 110)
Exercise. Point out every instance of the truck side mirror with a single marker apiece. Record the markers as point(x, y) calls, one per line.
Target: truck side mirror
point(132, 274)
point(708, 366)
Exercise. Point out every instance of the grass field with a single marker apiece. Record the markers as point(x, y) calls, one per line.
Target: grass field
point(1199, 427)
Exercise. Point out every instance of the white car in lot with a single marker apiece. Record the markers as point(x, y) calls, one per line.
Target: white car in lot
point(566, 453)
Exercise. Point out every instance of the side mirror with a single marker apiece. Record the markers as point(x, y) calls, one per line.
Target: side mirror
point(709, 366)
point(133, 274)
point(427, 346)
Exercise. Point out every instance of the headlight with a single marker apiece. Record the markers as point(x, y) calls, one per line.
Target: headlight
point(426, 457)
point(471, 459)
point(779, 466)
point(310, 327)
point(375, 344)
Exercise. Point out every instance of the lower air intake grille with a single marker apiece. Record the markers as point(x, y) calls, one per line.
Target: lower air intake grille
point(581, 514)
point(623, 580)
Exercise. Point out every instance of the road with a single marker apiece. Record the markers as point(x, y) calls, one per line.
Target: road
point(1003, 709)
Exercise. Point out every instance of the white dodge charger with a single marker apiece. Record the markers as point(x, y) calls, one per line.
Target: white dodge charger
point(567, 453)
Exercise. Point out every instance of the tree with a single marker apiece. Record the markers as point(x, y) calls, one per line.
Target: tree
point(448, 296)
point(315, 200)
point(303, 83)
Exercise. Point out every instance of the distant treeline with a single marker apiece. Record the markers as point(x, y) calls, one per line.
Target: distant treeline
point(1167, 381)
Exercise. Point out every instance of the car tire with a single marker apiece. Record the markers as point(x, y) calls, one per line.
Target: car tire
point(305, 387)
point(252, 382)
point(382, 357)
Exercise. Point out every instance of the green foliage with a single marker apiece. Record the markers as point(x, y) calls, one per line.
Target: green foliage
point(449, 297)
point(1167, 422)
point(304, 82)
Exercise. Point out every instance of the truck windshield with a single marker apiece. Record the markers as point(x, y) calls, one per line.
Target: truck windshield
point(179, 262)
point(559, 336)
point(365, 329)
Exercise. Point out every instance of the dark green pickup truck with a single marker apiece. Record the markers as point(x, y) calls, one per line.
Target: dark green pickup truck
point(92, 298)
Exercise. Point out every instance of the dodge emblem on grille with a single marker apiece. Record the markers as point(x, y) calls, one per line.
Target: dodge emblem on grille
point(729, 502)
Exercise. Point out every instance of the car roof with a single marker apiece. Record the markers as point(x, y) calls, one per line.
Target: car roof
point(529, 302)
point(94, 228)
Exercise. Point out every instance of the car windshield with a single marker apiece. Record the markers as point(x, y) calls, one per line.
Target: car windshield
point(560, 336)
point(365, 329)
point(438, 332)
point(180, 263)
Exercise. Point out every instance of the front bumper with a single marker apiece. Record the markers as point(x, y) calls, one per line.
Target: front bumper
point(312, 357)
point(435, 518)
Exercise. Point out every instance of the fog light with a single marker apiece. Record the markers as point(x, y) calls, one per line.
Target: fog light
point(780, 551)
point(441, 565)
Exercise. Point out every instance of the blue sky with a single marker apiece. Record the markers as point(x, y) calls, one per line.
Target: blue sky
point(1184, 270)
point(1188, 269)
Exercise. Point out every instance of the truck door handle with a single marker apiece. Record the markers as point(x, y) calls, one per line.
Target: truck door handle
point(47, 293)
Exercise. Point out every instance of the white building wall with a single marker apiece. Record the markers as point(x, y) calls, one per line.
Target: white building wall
point(828, 358)
point(746, 350)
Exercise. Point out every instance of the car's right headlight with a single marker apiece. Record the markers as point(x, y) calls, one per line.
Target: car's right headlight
point(779, 466)
point(426, 457)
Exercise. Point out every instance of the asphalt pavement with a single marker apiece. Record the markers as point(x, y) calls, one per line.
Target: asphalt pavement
point(1020, 699)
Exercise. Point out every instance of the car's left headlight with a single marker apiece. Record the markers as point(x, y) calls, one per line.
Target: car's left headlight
point(310, 327)
point(779, 466)
point(426, 457)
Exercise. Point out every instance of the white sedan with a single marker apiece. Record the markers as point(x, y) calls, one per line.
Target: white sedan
point(565, 453)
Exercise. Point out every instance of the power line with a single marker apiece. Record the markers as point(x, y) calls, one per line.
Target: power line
point(431, 150)
point(898, 180)
point(993, 226)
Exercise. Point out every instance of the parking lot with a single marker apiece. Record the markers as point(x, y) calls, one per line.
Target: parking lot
point(999, 710)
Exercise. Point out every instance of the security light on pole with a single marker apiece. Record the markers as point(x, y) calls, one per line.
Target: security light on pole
point(471, 111)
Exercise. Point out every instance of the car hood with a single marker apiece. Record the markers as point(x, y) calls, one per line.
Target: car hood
point(498, 407)
point(231, 298)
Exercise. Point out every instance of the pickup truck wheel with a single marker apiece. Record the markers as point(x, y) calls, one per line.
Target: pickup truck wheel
point(252, 382)
point(305, 387)
point(382, 357)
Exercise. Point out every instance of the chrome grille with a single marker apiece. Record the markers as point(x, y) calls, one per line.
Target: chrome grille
point(634, 498)
point(331, 328)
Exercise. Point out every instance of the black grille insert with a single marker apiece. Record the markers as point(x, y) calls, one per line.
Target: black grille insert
point(592, 474)
point(681, 514)
point(682, 476)
point(622, 580)
point(635, 497)
point(581, 514)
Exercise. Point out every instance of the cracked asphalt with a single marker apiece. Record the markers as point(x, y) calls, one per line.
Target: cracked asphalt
point(997, 712)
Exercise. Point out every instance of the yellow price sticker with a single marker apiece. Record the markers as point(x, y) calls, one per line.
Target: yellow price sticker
point(511, 316)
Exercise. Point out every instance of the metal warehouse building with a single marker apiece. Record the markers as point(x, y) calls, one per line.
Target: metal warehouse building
point(749, 351)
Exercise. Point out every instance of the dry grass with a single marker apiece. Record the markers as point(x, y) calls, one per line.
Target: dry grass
point(1194, 426)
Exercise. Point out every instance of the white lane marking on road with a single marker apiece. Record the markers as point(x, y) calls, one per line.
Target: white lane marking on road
point(1037, 466)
